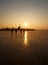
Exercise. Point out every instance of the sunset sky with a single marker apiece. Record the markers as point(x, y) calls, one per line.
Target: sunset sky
point(33, 13)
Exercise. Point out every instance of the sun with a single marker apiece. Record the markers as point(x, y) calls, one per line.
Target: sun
point(26, 24)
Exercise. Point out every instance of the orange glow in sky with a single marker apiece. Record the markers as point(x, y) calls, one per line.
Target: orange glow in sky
point(27, 13)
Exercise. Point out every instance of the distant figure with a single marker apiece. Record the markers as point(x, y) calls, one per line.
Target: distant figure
point(19, 28)
point(16, 31)
point(15, 34)
point(11, 31)
point(21, 31)
point(11, 34)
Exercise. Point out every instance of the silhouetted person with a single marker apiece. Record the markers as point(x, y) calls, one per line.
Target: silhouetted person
point(11, 33)
point(16, 31)
point(21, 31)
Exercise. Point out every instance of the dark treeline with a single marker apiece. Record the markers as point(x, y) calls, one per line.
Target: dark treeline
point(18, 29)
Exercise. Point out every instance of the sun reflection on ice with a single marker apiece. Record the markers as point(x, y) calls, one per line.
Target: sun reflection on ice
point(25, 38)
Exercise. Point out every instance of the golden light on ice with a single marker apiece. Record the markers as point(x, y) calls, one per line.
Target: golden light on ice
point(25, 38)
